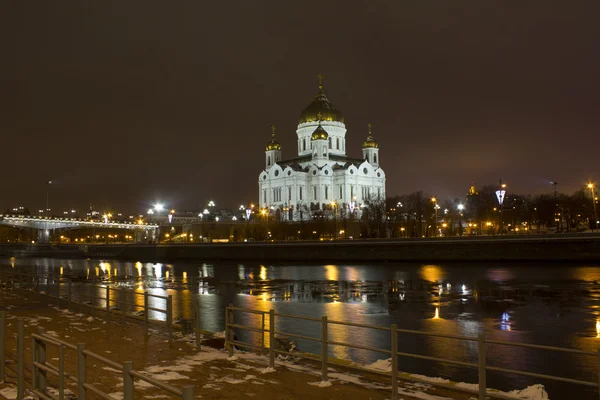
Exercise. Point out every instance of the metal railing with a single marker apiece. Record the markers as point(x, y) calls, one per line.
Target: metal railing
point(481, 365)
point(41, 368)
point(63, 290)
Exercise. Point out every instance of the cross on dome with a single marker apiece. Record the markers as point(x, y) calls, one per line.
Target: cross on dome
point(320, 78)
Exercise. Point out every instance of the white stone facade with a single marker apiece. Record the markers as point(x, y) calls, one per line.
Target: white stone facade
point(321, 180)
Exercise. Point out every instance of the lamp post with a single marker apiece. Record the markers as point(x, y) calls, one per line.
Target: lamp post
point(435, 207)
point(591, 187)
point(48, 183)
point(460, 210)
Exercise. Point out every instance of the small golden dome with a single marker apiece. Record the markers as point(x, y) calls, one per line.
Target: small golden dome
point(322, 105)
point(320, 133)
point(273, 143)
point(370, 142)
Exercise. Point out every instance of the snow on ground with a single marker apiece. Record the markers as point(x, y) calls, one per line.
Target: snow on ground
point(9, 392)
point(321, 384)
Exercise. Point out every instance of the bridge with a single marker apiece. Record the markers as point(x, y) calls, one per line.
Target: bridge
point(45, 225)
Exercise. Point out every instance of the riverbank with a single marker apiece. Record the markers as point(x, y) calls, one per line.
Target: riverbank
point(573, 247)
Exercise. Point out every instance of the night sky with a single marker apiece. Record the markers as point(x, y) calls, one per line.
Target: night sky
point(126, 103)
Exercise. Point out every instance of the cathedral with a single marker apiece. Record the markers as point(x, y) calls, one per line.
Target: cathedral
point(322, 180)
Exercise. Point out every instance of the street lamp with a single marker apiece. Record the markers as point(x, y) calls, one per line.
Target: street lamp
point(435, 207)
point(591, 187)
point(460, 210)
point(48, 183)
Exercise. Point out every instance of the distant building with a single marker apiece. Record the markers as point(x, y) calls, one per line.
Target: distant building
point(322, 176)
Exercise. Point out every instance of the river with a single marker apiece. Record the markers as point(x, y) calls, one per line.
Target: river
point(553, 304)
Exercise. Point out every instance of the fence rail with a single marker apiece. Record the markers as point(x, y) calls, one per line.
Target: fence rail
point(41, 368)
point(481, 365)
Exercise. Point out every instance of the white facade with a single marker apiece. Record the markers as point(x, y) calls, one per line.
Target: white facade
point(322, 177)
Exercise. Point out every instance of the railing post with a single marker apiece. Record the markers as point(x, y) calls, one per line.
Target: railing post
point(394, 338)
point(146, 309)
point(271, 338)
point(107, 302)
point(197, 326)
point(58, 292)
point(41, 358)
point(229, 333)
point(324, 348)
point(481, 364)
point(2, 346)
point(127, 381)
point(20, 359)
point(263, 330)
point(598, 372)
point(187, 392)
point(69, 296)
point(170, 317)
point(61, 372)
point(81, 373)
point(123, 305)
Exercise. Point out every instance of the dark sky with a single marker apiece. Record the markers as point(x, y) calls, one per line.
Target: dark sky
point(125, 103)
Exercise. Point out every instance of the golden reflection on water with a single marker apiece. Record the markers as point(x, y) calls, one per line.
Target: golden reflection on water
point(431, 273)
point(332, 272)
point(437, 313)
point(138, 266)
point(598, 328)
point(263, 272)
point(585, 273)
point(106, 268)
point(185, 277)
point(338, 333)
point(167, 274)
point(61, 270)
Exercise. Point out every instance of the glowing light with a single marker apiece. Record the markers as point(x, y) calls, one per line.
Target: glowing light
point(437, 313)
point(61, 270)
point(159, 207)
point(464, 288)
point(598, 328)
point(263, 273)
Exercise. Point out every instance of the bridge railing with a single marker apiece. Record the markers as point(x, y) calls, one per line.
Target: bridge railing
point(36, 383)
point(96, 299)
point(482, 366)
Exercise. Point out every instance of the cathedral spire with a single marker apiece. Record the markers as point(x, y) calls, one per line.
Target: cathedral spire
point(320, 78)
point(273, 131)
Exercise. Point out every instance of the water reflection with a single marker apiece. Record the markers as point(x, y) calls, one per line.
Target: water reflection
point(545, 304)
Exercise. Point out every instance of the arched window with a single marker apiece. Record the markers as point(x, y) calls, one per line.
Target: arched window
point(289, 193)
point(268, 160)
point(375, 158)
point(337, 143)
point(300, 192)
point(340, 191)
point(315, 192)
point(329, 142)
point(324, 151)
point(326, 192)
point(303, 144)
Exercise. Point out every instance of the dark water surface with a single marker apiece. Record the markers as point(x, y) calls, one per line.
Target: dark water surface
point(549, 304)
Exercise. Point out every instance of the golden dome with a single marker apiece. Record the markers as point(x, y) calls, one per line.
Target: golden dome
point(320, 104)
point(320, 133)
point(273, 143)
point(370, 142)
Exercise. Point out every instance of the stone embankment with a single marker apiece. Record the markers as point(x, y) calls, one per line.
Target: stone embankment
point(572, 247)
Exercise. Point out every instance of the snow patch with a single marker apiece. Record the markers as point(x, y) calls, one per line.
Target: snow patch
point(534, 392)
point(9, 392)
point(219, 335)
point(112, 370)
point(321, 384)
point(267, 370)
point(381, 365)
point(430, 379)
